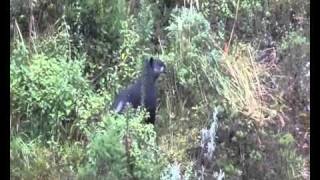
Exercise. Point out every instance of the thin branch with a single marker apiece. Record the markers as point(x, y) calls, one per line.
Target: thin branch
point(234, 24)
point(160, 44)
point(19, 32)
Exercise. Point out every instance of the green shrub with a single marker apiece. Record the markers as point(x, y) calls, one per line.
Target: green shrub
point(188, 32)
point(123, 147)
point(145, 21)
point(129, 57)
point(106, 156)
point(48, 88)
point(190, 48)
point(291, 162)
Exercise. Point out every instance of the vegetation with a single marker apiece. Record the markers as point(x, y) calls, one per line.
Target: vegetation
point(234, 103)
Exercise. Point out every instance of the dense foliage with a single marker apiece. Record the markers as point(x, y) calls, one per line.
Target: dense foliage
point(234, 103)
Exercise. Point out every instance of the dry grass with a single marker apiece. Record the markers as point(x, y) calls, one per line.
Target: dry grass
point(239, 83)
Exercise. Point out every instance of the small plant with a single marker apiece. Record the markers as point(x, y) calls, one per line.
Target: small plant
point(291, 161)
point(208, 137)
point(123, 147)
point(173, 171)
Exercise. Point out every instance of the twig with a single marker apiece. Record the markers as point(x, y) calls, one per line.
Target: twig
point(94, 80)
point(160, 44)
point(234, 24)
point(19, 32)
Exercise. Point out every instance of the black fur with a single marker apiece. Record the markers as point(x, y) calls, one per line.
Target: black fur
point(143, 90)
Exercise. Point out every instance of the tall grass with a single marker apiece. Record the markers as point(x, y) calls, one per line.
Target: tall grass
point(239, 83)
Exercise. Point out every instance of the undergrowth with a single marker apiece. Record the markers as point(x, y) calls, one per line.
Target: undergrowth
point(224, 112)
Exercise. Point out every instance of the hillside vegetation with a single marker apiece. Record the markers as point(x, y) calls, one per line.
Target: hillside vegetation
point(234, 103)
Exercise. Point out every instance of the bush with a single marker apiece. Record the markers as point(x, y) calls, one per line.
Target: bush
point(48, 88)
point(123, 147)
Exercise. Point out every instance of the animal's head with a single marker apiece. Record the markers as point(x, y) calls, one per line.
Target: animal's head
point(156, 66)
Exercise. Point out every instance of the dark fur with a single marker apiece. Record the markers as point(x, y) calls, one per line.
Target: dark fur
point(143, 90)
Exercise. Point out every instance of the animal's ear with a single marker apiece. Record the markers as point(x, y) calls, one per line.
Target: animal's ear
point(151, 61)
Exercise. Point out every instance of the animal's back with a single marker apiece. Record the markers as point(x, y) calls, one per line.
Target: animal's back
point(131, 95)
point(144, 86)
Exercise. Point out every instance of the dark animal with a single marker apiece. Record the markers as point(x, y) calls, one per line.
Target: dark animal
point(143, 91)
